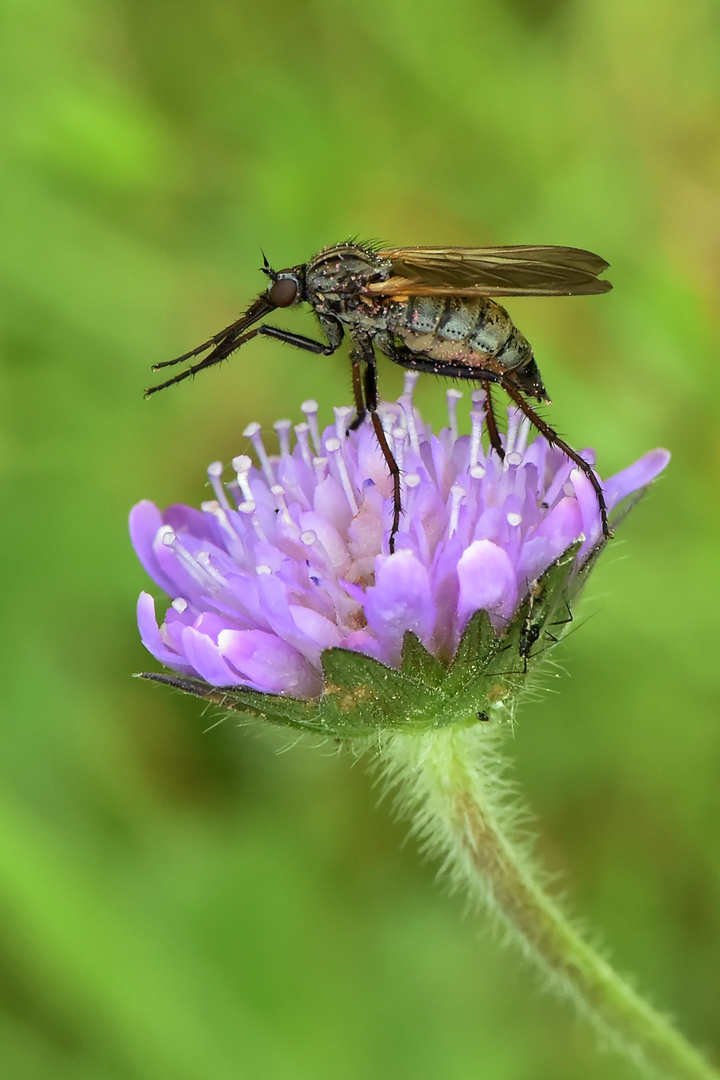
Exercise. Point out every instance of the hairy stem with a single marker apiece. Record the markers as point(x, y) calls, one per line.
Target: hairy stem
point(452, 788)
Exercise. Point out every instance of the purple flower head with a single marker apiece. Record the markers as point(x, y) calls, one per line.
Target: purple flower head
point(290, 558)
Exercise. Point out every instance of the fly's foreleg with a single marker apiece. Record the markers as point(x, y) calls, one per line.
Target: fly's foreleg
point(360, 410)
point(227, 344)
point(371, 402)
point(333, 331)
point(222, 350)
point(366, 399)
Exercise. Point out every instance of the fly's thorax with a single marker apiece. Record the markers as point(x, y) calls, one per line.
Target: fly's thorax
point(336, 280)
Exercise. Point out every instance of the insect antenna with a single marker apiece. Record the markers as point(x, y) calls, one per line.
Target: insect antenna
point(266, 268)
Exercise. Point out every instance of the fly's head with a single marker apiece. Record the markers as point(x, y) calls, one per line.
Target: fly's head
point(287, 287)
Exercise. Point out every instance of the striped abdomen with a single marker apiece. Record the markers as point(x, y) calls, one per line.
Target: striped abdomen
point(462, 330)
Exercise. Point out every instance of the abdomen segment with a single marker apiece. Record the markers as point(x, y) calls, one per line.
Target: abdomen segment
point(471, 331)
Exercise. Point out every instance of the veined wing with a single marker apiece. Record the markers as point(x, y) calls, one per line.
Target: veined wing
point(524, 270)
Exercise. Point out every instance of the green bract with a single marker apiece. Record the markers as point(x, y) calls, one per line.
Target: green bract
point(484, 681)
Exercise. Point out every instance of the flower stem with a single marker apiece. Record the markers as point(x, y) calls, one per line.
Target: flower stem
point(452, 787)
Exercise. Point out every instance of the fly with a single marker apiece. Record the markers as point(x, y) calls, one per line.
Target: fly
point(427, 309)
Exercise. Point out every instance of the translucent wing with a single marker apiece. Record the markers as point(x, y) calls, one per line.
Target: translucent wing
point(532, 270)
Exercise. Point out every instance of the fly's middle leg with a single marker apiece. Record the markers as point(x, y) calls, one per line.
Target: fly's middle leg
point(493, 433)
point(371, 402)
point(366, 399)
point(360, 410)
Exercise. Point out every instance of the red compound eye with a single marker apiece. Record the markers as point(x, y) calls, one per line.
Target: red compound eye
point(283, 292)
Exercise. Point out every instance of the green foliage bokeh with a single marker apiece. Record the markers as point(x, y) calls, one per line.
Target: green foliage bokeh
point(188, 903)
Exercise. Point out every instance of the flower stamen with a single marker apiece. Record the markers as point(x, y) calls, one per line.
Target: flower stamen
point(334, 448)
point(283, 429)
point(215, 471)
point(453, 396)
point(253, 432)
point(408, 410)
point(303, 561)
point(477, 420)
point(310, 409)
point(242, 464)
point(302, 434)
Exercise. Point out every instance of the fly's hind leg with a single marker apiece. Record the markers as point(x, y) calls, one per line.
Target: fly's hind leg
point(554, 439)
point(417, 361)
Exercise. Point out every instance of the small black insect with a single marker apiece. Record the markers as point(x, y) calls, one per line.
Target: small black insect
point(428, 309)
point(536, 624)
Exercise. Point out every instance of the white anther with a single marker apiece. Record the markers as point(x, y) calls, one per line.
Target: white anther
point(203, 559)
point(406, 404)
point(310, 408)
point(409, 383)
point(477, 416)
point(302, 434)
point(334, 448)
point(317, 555)
point(193, 565)
point(215, 471)
point(453, 396)
point(411, 482)
point(522, 436)
point(253, 433)
point(513, 425)
point(283, 428)
point(279, 493)
point(343, 415)
point(248, 510)
point(399, 440)
point(232, 540)
point(242, 464)
point(320, 467)
point(457, 497)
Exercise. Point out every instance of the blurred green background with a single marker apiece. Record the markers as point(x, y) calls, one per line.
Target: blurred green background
point(189, 903)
